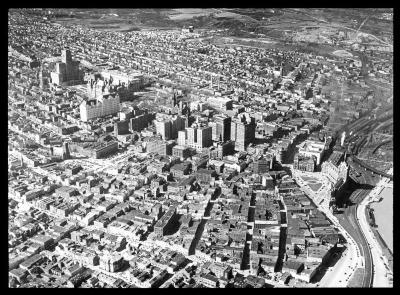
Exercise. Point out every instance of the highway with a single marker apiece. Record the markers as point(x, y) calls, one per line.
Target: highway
point(380, 265)
point(354, 219)
point(341, 273)
point(349, 221)
point(368, 262)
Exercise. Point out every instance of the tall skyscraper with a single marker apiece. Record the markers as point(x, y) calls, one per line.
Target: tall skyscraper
point(164, 128)
point(178, 124)
point(204, 137)
point(66, 154)
point(198, 137)
point(182, 137)
point(221, 129)
point(191, 136)
point(168, 127)
point(141, 121)
point(67, 71)
point(243, 131)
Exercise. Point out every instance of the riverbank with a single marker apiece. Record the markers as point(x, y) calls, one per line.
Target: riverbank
point(383, 212)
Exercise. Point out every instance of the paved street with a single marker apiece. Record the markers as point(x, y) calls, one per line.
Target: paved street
point(380, 264)
point(340, 274)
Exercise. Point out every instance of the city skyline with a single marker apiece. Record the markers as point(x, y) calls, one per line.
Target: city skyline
point(200, 148)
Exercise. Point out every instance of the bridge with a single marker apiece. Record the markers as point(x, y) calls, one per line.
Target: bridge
point(381, 144)
point(372, 169)
point(384, 134)
point(372, 160)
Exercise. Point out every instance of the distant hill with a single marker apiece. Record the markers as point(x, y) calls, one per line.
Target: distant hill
point(272, 22)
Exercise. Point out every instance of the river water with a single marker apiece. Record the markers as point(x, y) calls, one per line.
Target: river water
point(383, 212)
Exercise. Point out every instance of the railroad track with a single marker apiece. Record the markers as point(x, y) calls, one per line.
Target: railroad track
point(372, 169)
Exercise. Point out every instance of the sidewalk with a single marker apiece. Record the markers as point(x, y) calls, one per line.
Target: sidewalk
point(380, 264)
point(346, 266)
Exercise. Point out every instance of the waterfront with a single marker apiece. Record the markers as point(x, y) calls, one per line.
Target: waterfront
point(383, 212)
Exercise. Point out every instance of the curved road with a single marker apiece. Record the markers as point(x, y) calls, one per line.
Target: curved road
point(375, 268)
point(339, 276)
point(352, 226)
point(381, 268)
point(368, 266)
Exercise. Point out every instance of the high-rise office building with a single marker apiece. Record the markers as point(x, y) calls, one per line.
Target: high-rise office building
point(139, 122)
point(121, 127)
point(178, 124)
point(66, 154)
point(164, 128)
point(204, 137)
point(182, 137)
point(198, 137)
point(221, 128)
point(191, 136)
point(160, 147)
point(67, 71)
point(168, 127)
point(221, 149)
point(243, 131)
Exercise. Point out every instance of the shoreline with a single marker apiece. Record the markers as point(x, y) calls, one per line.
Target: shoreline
point(383, 211)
